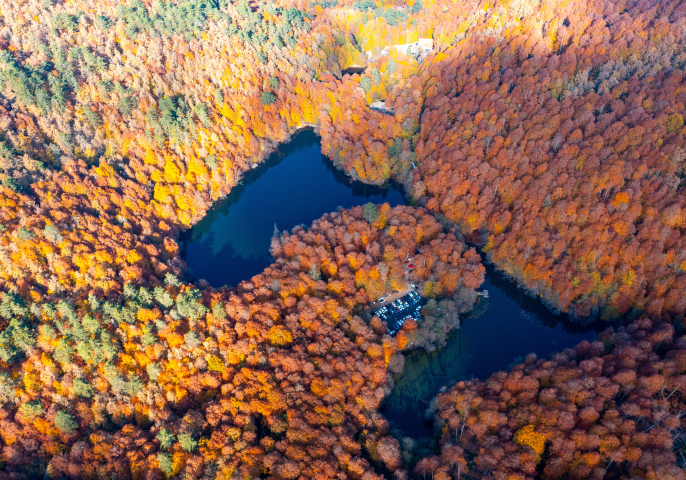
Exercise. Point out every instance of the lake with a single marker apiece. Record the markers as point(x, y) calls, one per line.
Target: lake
point(297, 185)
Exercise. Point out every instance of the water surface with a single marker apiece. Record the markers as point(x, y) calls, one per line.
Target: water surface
point(503, 328)
point(296, 186)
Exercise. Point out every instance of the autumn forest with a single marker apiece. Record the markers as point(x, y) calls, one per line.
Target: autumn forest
point(543, 137)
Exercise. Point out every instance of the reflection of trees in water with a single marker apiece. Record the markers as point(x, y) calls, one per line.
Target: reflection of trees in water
point(226, 267)
point(425, 373)
point(532, 308)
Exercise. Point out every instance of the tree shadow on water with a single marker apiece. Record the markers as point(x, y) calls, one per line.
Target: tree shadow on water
point(227, 267)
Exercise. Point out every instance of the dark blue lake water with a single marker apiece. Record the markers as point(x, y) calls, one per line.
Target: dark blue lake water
point(298, 185)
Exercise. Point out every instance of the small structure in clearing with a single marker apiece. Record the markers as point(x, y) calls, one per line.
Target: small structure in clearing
point(381, 107)
point(419, 49)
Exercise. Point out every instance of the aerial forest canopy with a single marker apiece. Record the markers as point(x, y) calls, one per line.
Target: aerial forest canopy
point(547, 134)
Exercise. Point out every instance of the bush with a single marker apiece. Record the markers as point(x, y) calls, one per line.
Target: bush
point(65, 422)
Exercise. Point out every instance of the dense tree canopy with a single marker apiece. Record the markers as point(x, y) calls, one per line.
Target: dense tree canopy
point(281, 375)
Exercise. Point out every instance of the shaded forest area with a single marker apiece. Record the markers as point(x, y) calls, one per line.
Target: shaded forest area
point(550, 133)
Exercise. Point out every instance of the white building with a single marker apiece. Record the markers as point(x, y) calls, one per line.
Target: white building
point(381, 107)
point(421, 47)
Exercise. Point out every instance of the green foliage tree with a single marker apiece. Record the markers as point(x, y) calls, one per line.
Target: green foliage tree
point(65, 422)
point(166, 438)
point(187, 442)
point(366, 84)
point(267, 98)
point(315, 273)
point(103, 22)
point(189, 305)
point(165, 462)
point(191, 339)
point(12, 184)
point(32, 409)
point(163, 297)
point(153, 370)
point(274, 83)
point(52, 234)
point(371, 214)
point(219, 311)
point(395, 148)
point(92, 117)
point(82, 388)
point(376, 76)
